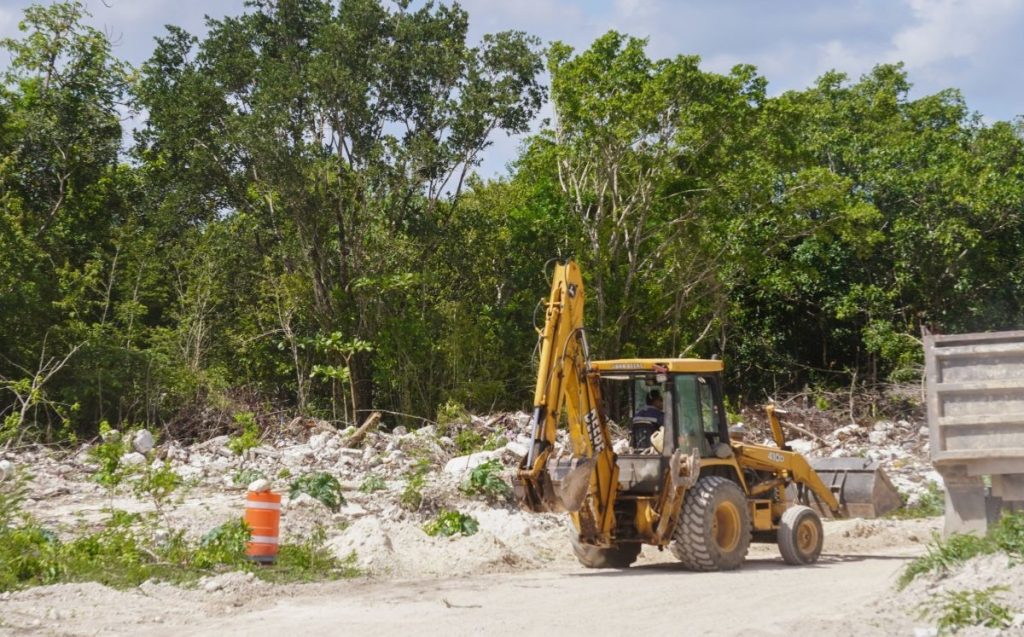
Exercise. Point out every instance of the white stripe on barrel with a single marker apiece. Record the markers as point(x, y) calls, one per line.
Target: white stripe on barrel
point(270, 506)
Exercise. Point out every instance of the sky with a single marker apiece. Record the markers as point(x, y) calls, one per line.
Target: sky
point(974, 45)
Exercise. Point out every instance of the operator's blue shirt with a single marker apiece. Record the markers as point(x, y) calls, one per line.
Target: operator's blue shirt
point(646, 421)
point(648, 414)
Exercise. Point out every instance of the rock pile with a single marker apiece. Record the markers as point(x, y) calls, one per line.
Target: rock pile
point(381, 520)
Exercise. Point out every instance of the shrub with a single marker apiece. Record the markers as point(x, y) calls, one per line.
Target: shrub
point(468, 441)
point(448, 523)
point(412, 495)
point(158, 484)
point(107, 455)
point(411, 498)
point(224, 544)
point(320, 486)
point(485, 479)
point(1008, 535)
point(248, 437)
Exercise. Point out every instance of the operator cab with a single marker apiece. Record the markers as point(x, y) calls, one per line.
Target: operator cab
point(692, 413)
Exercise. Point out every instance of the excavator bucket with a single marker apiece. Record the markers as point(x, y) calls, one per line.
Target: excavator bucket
point(560, 489)
point(860, 485)
point(571, 482)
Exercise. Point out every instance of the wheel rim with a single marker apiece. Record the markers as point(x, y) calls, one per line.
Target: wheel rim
point(807, 537)
point(725, 526)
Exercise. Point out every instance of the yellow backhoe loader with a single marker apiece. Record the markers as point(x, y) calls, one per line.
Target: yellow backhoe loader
point(679, 480)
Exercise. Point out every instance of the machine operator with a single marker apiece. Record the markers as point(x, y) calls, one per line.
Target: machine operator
point(647, 420)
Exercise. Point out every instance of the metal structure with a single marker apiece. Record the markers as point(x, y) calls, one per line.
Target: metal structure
point(975, 397)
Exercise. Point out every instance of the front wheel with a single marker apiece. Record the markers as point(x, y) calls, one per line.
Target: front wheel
point(713, 532)
point(800, 536)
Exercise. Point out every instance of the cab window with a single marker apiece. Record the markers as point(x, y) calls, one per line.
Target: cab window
point(708, 413)
point(688, 408)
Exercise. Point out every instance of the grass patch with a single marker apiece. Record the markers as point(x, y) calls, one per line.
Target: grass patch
point(130, 550)
point(943, 555)
point(308, 561)
point(954, 610)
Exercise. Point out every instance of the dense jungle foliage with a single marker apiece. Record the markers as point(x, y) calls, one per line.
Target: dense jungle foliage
point(292, 222)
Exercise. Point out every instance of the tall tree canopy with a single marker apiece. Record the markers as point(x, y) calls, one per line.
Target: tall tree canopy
point(296, 223)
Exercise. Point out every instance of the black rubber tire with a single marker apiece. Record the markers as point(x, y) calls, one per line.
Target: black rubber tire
point(697, 541)
point(620, 556)
point(800, 536)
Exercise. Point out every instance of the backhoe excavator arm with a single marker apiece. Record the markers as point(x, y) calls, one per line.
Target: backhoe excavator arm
point(585, 481)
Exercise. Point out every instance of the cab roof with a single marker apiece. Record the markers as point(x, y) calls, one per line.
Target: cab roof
point(686, 365)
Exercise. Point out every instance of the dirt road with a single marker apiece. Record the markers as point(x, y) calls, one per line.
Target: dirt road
point(765, 597)
point(848, 592)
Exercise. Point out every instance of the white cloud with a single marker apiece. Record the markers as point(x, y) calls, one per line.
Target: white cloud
point(953, 29)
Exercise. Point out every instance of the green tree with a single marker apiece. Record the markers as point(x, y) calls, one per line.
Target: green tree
point(339, 138)
point(65, 205)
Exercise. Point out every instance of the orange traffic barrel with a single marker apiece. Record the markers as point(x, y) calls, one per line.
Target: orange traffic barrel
point(263, 515)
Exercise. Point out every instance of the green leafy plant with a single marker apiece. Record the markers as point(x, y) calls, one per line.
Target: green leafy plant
point(158, 483)
point(1008, 535)
point(373, 482)
point(249, 433)
point(954, 610)
point(322, 487)
point(411, 498)
point(284, 473)
point(448, 523)
point(107, 454)
point(224, 544)
point(485, 479)
point(468, 441)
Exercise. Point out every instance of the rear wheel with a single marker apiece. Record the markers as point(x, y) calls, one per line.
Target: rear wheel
point(620, 556)
point(713, 532)
point(800, 536)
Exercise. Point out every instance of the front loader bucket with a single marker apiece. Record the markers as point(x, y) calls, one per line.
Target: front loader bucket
point(561, 489)
point(859, 484)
